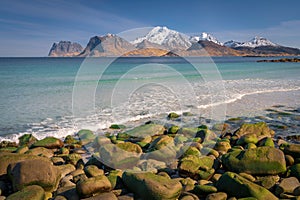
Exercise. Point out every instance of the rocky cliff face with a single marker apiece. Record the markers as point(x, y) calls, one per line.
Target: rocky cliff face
point(108, 45)
point(65, 49)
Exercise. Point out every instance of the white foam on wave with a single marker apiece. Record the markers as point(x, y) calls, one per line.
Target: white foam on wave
point(156, 104)
point(240, 96)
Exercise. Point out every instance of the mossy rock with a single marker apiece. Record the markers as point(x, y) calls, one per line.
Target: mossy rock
point(115, 178)
point(93, 185)
point(173, 129)
point(258, 161)
point(267, 182)
point(27, 140)
point(70, 140)
point(11, 158)
point(196, 167)
point(188, 131)
point(73, 159)
point(247, 138)
point(40, 151)
point(223, 146)
point(173, 115)
point(130, 147)
point(161, 142)
point(93, 170)
point(187, 151)
point(260, 129)
point(33, 192)
point(86, 136)
point(267, 141)
point(146, 130)
point(49, 143)
point(204, 189)
point(237, 186)
point(166, 154)
point(150, 186)
point(117, 126)
point(8, 149)
point(117, 158)
point(34, 172)
point(180, 139)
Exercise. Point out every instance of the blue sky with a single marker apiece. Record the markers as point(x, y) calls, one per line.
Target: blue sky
point(29, 27)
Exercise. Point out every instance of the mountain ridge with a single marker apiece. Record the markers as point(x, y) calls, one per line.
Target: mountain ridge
point(162, 41)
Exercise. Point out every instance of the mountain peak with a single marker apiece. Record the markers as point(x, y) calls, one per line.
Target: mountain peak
point(257, 41)
point(65, 48)
point(205, 37)
point(164, 36)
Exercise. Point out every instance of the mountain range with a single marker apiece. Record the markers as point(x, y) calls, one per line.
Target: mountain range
point(162, 41)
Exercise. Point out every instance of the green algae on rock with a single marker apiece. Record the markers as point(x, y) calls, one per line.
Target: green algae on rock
point(237, 186)
point(150, 186)
point(256, 161)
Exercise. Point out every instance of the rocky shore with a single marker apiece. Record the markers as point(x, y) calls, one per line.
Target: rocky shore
point(154, 161)
point(282, 60)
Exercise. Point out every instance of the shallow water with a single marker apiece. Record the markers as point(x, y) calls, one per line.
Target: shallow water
point(58, 96)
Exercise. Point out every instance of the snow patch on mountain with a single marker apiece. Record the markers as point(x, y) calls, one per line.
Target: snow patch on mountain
point(166, 37)
point(255, 42)
point(206, 37)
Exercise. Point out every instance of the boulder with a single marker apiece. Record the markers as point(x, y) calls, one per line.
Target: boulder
point(93, 170)
point(173, 115)
point(267, 141)
point(204, 189)
point(261, 160)
point(150, 186)
point(11, 158)
point(166, 154)
point(74, 159)
point(247, 138)
point(27, 140)
point(86, 136)
point(66, 169)
point(196, 167)
point(237, 186)
point(117, 158)
point(49, 143)
point(40, 151)
point(291, 149)
point(161, 142)
point(217, 196)
point(151, 165)
point(287, 185)
point(146, 130)
point(222, 146)
point(267, 182)
point(260, 129)
point(33, 192)
point(69, 192)
point(93, 185)
point(115, 178)
point(34, 172)
point(130, 147)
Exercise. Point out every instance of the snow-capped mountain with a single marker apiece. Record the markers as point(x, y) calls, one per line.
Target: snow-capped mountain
point(166, 37)
point(206, 37)
point(255, 42)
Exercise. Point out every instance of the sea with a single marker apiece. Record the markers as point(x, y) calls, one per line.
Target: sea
point(59, 96)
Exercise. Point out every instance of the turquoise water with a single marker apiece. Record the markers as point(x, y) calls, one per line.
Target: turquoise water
point(57, 96)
